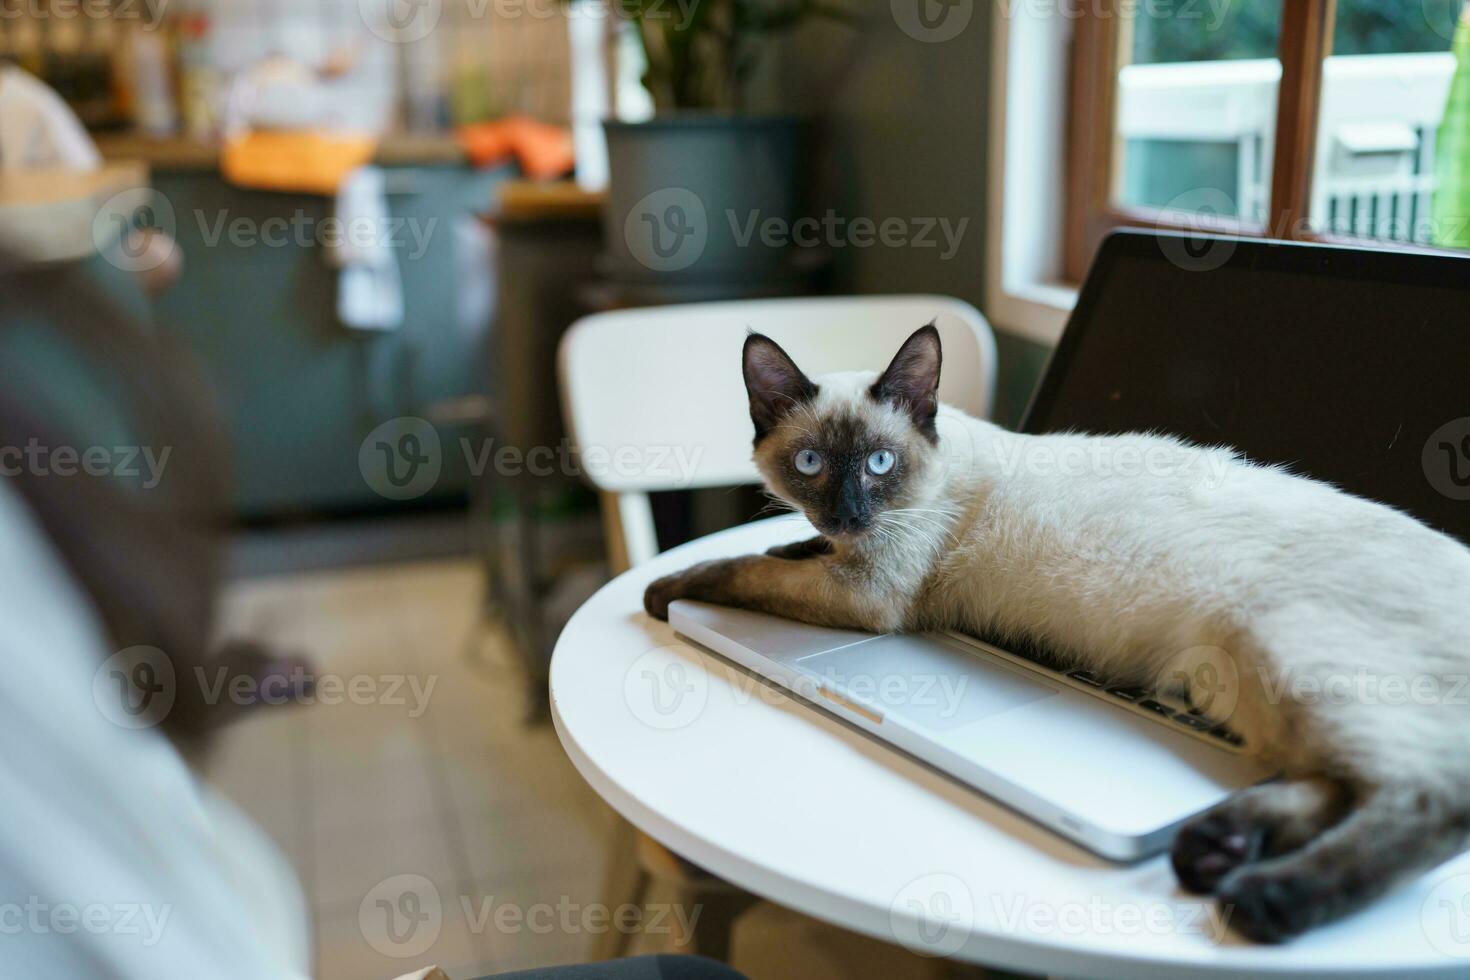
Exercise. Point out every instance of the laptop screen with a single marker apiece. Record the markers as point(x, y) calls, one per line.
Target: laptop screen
point(1348, 365)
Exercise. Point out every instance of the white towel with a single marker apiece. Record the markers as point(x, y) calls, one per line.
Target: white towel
point(370, 288)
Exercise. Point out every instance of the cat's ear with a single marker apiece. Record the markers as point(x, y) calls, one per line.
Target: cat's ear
point(773, 381)
point(912, 381)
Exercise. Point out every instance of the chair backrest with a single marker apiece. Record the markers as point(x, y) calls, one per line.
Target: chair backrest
point(654, 399)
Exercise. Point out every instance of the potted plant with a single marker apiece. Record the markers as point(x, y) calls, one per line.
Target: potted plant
point(692, 188)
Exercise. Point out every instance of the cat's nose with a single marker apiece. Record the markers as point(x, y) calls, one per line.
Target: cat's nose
point(850, 522)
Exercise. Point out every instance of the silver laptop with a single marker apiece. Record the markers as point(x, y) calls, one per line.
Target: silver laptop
point(1115, 770)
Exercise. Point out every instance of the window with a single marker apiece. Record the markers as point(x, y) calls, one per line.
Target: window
point(1306, 119)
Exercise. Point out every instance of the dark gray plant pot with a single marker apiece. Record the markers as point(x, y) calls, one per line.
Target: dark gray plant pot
point(694, 197)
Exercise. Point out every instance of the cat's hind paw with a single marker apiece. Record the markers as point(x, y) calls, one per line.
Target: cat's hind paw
point(1209, 848)
point(1269, 908)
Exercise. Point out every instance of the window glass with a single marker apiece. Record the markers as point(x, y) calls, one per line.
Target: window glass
point(1393, 144)
point(1196, 107)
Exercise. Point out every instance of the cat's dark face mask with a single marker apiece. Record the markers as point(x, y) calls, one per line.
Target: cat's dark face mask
point(845, 452)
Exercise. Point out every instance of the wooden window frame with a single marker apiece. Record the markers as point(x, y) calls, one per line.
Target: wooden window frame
point(1092, 151)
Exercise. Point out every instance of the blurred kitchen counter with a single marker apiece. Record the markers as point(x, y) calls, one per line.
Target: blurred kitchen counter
point(177, 153)
point(257, 304)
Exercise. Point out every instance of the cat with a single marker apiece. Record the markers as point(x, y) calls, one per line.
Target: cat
point(1120, 554)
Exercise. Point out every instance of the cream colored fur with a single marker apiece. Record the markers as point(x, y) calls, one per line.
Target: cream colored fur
point(1127, 553)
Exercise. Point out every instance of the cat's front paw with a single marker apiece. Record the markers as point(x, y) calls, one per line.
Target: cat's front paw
point(711, 581)
point(680, 585)
point(659, 594)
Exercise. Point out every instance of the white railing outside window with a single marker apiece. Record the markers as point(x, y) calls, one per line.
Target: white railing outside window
point(1375, 146)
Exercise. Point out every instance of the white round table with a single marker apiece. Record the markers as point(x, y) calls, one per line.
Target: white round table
point(800, 808)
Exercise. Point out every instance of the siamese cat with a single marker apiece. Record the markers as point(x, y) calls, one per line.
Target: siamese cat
point(1343, 622)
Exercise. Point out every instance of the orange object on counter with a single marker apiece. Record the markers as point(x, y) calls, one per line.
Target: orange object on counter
point(308, 162)
point(544, 151)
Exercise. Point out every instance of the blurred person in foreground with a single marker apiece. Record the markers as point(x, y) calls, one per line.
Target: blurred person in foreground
point(115, 861)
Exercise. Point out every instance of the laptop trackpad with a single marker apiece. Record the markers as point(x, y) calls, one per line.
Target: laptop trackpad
point(925, 680)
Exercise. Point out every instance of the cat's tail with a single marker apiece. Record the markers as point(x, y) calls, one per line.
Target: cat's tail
point(1384, 836)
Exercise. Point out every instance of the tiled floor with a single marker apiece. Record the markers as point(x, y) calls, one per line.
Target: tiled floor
point(425, 768)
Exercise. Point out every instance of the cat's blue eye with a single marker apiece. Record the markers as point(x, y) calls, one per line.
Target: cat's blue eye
point(808, 462)
point(880, 462)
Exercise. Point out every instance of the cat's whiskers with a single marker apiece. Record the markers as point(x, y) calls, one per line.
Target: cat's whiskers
point(945, 512)
point(922, 514)
point(928, 527)
point(886, 535)
point(775, 504)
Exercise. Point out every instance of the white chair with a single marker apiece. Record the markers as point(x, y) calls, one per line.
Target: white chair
point(654, 398)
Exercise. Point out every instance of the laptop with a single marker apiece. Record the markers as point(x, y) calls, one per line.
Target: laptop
point(1346, 364)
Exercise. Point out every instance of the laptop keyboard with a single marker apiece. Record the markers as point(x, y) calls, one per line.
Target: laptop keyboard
point(1139, 698)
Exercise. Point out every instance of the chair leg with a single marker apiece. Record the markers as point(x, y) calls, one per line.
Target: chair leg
point(625, 883)
point(713, 932)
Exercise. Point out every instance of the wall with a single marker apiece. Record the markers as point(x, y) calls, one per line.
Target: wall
point(901, 131)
